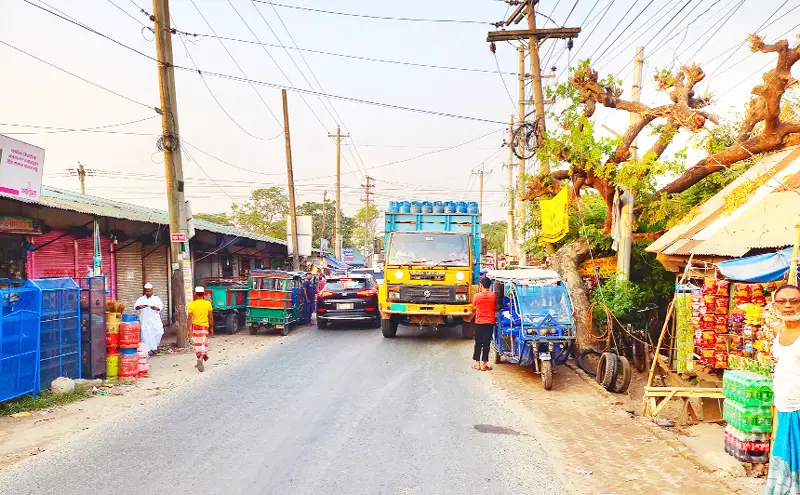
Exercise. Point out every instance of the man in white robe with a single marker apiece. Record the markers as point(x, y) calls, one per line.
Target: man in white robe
point(149, 308)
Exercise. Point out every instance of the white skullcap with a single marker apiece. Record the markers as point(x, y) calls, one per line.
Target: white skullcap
point(148, 285)
point(200, 288)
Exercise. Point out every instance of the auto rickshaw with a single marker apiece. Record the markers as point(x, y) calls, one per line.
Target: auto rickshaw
point(228, 297)
point(535, 325)
point(275, 300)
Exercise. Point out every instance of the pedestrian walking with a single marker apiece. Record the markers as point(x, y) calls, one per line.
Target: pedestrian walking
point(309, 296)
point(149, 307)
point(485, 317)
point(784, 463)
point(201, 325)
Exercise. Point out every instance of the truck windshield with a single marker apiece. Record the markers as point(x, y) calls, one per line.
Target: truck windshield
point(417, 248)
point(541, 300)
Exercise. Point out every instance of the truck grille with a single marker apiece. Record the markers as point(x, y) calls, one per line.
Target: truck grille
point(436, 276)
point(417, 294)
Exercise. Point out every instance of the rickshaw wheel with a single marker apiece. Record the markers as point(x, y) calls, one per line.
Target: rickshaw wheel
point(607, 370)
point(621, 386)
point(285, 330)
point(547, 374)
point(496, 357)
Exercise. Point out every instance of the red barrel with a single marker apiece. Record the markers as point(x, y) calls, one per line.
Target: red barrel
point(129, 332)
point(128, 364)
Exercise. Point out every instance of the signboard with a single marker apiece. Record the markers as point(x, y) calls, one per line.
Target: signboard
point(188, 282)
point(348, 255)
point(607, 267)
point(21, 169)
point(178, 237)
point(17, 225)
point(555, 216)
point(304, 235)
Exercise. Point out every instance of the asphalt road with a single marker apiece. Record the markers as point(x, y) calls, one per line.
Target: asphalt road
point(323, 411)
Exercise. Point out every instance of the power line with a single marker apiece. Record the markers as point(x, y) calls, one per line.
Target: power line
point(733, 11)
point(57, 130)
point(376, 17)
point(591, 57)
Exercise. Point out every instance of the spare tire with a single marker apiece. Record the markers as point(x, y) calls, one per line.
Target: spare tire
point(607, 370)
point(582, 362)
point(621, 384)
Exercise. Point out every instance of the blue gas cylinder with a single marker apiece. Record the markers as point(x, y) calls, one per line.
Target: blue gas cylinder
point(462, 207)
point(427, 207)
point(393, 207)
point(416, 207)
point(405, 207)
point(472, 208)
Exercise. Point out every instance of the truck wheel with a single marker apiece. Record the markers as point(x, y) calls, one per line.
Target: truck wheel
point(547, 374)
point(621, 385)
point(389, 327)
point(232, 323)
point(468, 329)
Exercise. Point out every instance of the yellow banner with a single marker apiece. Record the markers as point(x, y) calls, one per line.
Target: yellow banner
point(606, 267)
point(555, 217)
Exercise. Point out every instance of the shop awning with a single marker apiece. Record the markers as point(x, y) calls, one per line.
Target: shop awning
point(334, 263)
point(759, 268)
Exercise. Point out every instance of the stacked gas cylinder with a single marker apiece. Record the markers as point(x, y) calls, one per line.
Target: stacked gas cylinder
point(748, 412)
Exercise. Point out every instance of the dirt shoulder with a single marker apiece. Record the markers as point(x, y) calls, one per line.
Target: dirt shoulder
point(30, 435)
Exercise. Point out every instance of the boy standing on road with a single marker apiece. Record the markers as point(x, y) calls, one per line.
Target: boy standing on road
point(201, 325)
point(485, 317)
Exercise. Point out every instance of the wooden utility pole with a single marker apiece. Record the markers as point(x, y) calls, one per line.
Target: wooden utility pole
point(82, 177)
point(511, 240)
point(170, 143)
point(290, 174)
point(521, 116)
point(324, 200)
point(337, 232)
point(367, 188)
point(626, 212)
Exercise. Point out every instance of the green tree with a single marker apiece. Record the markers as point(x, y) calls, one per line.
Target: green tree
point(221, 218)
point(364, 217)
point(315, 210)
point(264, 213)
point(495, 233)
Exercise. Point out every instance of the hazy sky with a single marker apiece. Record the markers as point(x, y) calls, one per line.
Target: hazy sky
point(130, 168)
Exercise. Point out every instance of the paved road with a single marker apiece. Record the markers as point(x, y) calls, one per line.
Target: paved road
point(324, 411)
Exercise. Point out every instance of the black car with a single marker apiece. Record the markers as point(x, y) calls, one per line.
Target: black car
point(351, 298)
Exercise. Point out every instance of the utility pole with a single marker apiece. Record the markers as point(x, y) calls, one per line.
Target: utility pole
point(521, 116)
point(324, 199)
point(290, 174)
point(511, 241)
point(170, 143)
point(626, 198)
point(481, 174)
point(337, 232)
point(82, 177)
point(536, 72)
point(367, 188)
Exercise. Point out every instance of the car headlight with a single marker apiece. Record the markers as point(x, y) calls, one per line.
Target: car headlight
point(398, 274)
point(394, 296)
point(461, 297)
point(460, 276)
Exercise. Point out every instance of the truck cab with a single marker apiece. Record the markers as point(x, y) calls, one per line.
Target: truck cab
point(431, 269)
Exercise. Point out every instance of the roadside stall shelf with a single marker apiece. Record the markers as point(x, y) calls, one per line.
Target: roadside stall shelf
point(19, 338)
point(60, 339)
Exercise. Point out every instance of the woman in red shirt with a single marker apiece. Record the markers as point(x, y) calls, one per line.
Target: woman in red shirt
point(485, 317)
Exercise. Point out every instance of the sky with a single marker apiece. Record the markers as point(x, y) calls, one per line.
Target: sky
point(232, 131)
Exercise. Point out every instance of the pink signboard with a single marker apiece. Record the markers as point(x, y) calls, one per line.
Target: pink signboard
point(21, 169)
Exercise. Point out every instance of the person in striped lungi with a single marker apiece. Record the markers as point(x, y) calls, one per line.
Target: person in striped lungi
point(201, 325)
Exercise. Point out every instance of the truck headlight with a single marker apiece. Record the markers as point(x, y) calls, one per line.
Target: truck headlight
point(461, 297)
point(394, 296)
point(460, 276)
point(398, 274)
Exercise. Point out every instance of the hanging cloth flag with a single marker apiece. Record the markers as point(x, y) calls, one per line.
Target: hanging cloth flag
point(555, 216)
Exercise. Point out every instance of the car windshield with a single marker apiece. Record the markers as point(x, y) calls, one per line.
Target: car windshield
point(345, 284)
point(416, 248)
point(541, 300)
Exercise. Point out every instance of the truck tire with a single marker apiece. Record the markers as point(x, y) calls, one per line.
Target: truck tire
point(468, 329)
point(232, 323)
point(607, 370)
point(547, 374)
point(623, 381)
point(389, 327)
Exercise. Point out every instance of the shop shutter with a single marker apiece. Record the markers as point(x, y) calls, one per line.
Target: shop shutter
point(53, 260)
point(86, 255)
point(156, 266)
point(129, 274)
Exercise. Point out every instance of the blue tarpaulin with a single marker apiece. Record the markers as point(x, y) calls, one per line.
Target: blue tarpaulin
point(759, 268)
point(336, 264)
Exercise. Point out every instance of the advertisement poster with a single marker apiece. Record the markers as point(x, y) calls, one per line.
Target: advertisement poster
point(348, 255)
point(188, 283)
point(604, 267)
point(555, 216)
point(21, 169)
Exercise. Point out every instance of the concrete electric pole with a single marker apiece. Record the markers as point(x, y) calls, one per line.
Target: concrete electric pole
point(367, 217)
point(290, 175)
point(337, 230)
point(82, 177)
point(170, 144)
point(324, 200)
point(511, 240)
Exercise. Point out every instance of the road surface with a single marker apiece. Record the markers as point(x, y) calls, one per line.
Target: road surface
point(323, 412)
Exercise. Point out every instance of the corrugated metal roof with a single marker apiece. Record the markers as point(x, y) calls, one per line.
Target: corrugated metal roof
point(101, 207)
point(715, 232)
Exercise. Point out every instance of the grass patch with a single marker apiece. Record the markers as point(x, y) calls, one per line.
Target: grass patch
point(44, 400)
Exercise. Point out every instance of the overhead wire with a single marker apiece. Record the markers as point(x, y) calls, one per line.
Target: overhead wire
point(374, 17)
point(58, 130)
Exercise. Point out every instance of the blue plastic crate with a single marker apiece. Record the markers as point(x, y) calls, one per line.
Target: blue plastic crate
point(19, 338)
point(60, 330)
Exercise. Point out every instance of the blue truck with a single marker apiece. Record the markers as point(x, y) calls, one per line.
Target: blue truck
point(432, 254)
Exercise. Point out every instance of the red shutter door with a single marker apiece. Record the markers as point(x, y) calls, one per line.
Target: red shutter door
point(86, 255)
point(56, 259)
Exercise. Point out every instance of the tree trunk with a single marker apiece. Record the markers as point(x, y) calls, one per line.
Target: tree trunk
point(566, 261)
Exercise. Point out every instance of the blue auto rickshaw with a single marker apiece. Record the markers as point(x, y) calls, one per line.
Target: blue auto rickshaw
point(535, 324)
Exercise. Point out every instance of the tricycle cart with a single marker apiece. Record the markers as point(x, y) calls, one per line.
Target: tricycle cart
point(275, 300)
point(535, 325)
point(228, 296)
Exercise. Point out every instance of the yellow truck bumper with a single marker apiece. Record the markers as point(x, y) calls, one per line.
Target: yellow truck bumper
point(388, 309)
